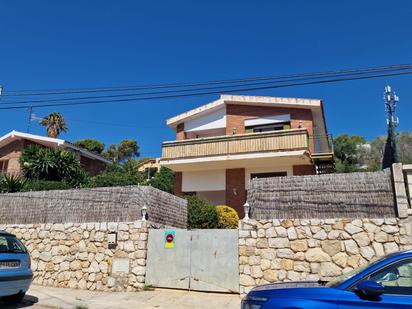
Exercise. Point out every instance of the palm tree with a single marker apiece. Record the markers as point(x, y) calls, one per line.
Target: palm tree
point(55, 124)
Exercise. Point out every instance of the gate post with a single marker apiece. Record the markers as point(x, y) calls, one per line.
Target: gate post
point(401, 199)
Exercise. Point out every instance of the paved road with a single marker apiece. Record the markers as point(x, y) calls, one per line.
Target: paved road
point(54, 298)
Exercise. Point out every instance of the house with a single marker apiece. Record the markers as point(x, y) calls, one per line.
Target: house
point(13, 143)
point(149, 163)
point(220, 146)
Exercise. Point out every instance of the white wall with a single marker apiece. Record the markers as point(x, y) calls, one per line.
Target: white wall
point(213, 120)
point(214, 180)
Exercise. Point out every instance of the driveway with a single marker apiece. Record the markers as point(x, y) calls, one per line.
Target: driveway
point(40, 297)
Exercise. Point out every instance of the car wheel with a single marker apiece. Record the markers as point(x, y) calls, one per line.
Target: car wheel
point(14, 299)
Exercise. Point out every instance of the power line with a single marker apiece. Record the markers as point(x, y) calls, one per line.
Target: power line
point(179, 85)
point(207, 92)
point(193, 89)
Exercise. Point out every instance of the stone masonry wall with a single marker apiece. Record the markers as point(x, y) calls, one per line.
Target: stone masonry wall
point(77, 255)
point(314, 249)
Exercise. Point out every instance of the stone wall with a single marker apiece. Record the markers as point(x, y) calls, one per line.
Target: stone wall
point(314, 249)
point(77, 255)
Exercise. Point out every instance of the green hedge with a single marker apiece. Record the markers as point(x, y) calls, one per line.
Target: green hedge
point(45, 185)
point(201, 213)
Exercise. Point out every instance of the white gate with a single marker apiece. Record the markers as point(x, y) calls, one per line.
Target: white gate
point(202, 260)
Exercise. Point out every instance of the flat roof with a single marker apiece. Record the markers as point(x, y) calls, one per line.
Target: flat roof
point(245, 100)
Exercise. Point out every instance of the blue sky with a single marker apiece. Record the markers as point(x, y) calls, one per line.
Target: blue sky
point(74, 44)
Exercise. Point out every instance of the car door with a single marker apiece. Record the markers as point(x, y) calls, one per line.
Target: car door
point(396, 279)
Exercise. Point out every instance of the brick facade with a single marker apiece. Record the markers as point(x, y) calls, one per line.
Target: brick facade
point(301, 170)
point(180, 132)
point(237, 114)
point(177, 189)
point(12, 153)
point(235, 189)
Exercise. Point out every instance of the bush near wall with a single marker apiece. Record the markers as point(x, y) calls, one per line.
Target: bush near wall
point(201, 214)
point(45, 185)
point(228, 217)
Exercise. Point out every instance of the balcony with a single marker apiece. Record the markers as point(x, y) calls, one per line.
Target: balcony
point(275, 141)
point(273, 148)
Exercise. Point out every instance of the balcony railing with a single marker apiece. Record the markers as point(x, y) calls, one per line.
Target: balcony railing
point(285, 140)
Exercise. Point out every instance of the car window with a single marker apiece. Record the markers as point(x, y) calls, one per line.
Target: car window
point(396, 278)
point(9, 244)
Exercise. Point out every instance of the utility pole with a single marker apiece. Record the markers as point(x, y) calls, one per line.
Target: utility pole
point(391, 154)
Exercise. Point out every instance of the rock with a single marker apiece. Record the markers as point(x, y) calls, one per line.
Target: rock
point(270, 275)
point(284, 253)
point(354, 261)
point(286, 264)
point(334, 234)
point(292, 233)
point(317, 255)
point(302, 267)
point(378, 247)
point(254, 260)
point(262, 243)
point(281, 231)
point(352, 229)
point(351, 246)
point(340, 259)
point(256, 272)
point(391, 247)
point(299, 245)
point(265, 264)
point(390, 229)
point(45, 256)
point(321, 235)
point(381, 237)
point(362, 239)
point(331, 247)
point(278, 243)
point(293, 276)
point(370, 227)
point(328, 269)
point(367, 252)
point(246, 280)
point(139, 270)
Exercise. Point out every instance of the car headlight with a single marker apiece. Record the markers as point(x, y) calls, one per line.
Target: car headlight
point(253, 302)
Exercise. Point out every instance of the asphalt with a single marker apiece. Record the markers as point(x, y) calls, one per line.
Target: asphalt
point(39, 297)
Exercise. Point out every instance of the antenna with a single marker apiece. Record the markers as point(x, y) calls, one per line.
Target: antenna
point(391, 101)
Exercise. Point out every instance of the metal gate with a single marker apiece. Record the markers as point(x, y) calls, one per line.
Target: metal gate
point(202, 260)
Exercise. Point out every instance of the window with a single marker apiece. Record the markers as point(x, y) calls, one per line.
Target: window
point(10, 244)
point(267, 175)
point(396, 278)
point(268, 128)
point(3, 166)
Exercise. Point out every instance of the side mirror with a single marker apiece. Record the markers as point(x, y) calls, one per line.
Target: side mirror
point(370, 288)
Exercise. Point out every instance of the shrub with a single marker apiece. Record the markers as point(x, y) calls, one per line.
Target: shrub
point(201, 214)
point(45, 185)
point(163, 180)
point(11, 184)
point(43, 163)
point(115, 175)
point(228, 217)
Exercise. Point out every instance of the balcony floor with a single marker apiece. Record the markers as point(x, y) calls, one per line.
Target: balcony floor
point(260, 159)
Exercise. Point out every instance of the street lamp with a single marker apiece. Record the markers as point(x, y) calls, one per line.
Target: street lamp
point(246, 207)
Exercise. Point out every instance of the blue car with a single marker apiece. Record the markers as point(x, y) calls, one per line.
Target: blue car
point(15, 272)
point(385, 283)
